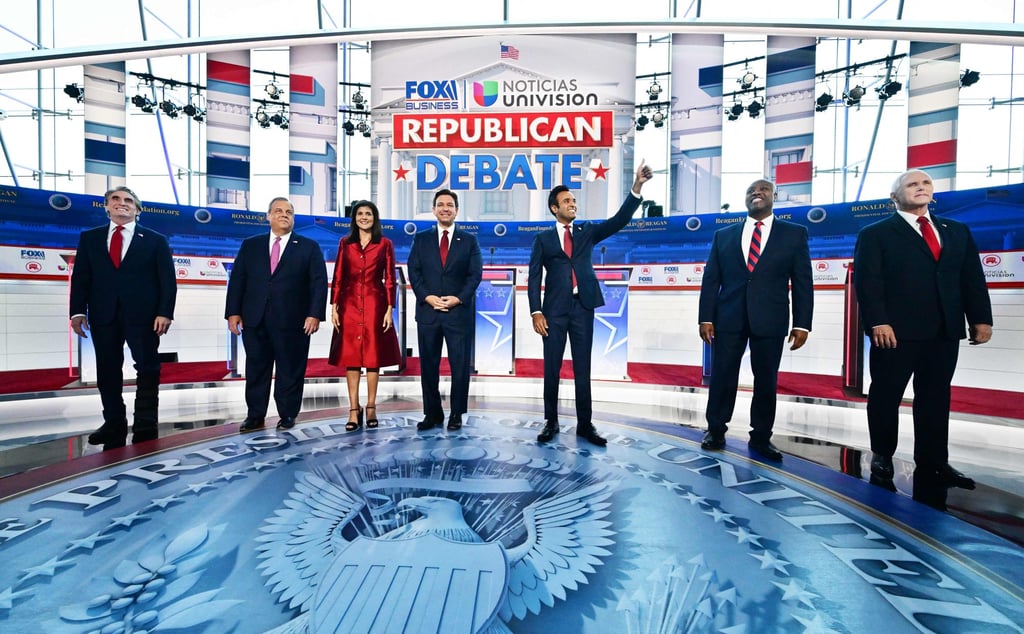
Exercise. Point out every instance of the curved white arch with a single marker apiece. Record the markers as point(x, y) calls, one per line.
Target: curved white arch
point(982, 33)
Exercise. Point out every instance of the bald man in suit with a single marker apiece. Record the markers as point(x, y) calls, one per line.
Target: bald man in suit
point(745, 301)
point(919, 282)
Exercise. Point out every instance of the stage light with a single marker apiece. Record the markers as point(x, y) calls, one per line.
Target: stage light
point(349, 128)
point(658, 119)
point(358, 100)
point(272, 89)
point(654, 90)
point(853, 96)
point(262, 118)
point(641, 122)
point(754, 109)
point(747, 80)
point(169, 108)
point(969, 78)
point(75, 92)
point(888, 89)
point(364, 128)
point(735, 111)
point(823, 102)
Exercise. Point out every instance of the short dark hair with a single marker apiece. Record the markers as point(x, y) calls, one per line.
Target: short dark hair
point(376, 231)
point(445, 192)
point(553, 196)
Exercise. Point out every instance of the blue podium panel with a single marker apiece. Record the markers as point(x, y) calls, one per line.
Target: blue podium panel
point(611, 325)
point(494, 341)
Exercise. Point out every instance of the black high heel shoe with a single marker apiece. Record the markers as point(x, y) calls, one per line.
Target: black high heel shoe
point(371, 423)
point(353, 425)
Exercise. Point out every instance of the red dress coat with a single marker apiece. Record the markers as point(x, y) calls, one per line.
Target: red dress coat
point(362, 288)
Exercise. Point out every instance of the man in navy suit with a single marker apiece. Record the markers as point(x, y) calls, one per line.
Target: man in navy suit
point(123, 291)
point(277, 297)
point(917, 277)
point(571, 293)
point(445, 268)
point(744, 300)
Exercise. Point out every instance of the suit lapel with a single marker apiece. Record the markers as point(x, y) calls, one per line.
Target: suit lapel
point(909, 234)
point(733, 248)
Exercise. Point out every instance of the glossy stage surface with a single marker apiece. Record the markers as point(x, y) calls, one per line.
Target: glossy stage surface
point(316, 529)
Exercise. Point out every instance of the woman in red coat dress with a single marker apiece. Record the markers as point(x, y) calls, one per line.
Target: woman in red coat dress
point(362, 296)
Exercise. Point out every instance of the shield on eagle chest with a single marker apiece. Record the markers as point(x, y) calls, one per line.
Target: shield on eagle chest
point(422, 584)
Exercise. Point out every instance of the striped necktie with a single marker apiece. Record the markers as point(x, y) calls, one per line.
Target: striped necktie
point(755, 247)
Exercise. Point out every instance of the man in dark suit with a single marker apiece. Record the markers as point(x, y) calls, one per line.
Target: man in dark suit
point(123, 291)
point(917, 278)
point(571, 293)
point(277, 297)
point(744, 300)
point(445, 268)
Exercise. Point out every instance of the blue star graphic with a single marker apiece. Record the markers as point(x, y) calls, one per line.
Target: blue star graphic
point(89, 542)
point(794, 591)
point(491, 316)
point(605, 319)
point(768, 560)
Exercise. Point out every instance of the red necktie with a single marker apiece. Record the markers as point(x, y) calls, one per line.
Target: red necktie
point(929, 236)
point(567, 247)
point(275, 254)
point(116, 244)
point(444, 247)
point(755, 247)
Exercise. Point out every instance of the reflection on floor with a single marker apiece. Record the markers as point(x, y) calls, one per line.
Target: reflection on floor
point(211, 531)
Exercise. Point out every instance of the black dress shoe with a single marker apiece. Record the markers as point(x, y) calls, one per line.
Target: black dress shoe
point(286, 423)
point(766, 450)
point(251, 424)
point(550, 431)
point(950, 477)
point(885, 483)
point(455, 422)
point(113, 444)
point(143, 435)
point(590, 434)
point(429, 423)
point(881, 467)
point(108, 434)
point(712, 441)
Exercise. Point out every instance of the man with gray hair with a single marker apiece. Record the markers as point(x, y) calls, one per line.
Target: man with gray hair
point(917, 277)
point(123, 290)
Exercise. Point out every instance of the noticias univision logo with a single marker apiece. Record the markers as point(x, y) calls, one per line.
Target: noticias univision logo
point(485, 93)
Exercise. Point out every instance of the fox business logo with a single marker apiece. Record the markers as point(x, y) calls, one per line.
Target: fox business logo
point(671, 269)
point(432, 95)
point(183, 261)
point(33, 254)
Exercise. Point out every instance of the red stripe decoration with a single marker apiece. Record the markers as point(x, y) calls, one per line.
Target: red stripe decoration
point(926, 154)
point(229, 73)
point(302, 84)
point(793, 173)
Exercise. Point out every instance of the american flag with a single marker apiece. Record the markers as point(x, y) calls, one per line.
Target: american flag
point(509, 52)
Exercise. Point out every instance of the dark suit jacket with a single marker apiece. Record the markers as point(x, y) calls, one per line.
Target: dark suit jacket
point(899, 283)
point(460, 275)
point(548, 254)
point(143, 288)
point(732, 298)
point(296, 290)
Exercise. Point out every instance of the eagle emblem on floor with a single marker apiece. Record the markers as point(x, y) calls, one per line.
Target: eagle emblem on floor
point(326, 556)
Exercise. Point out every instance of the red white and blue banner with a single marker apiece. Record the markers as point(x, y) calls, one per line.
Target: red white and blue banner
point(789, 117)
point(105, 115)
point(501, 120)
point(697, 122)
point(932, 109)
point(313, 129)
point(228, 124)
